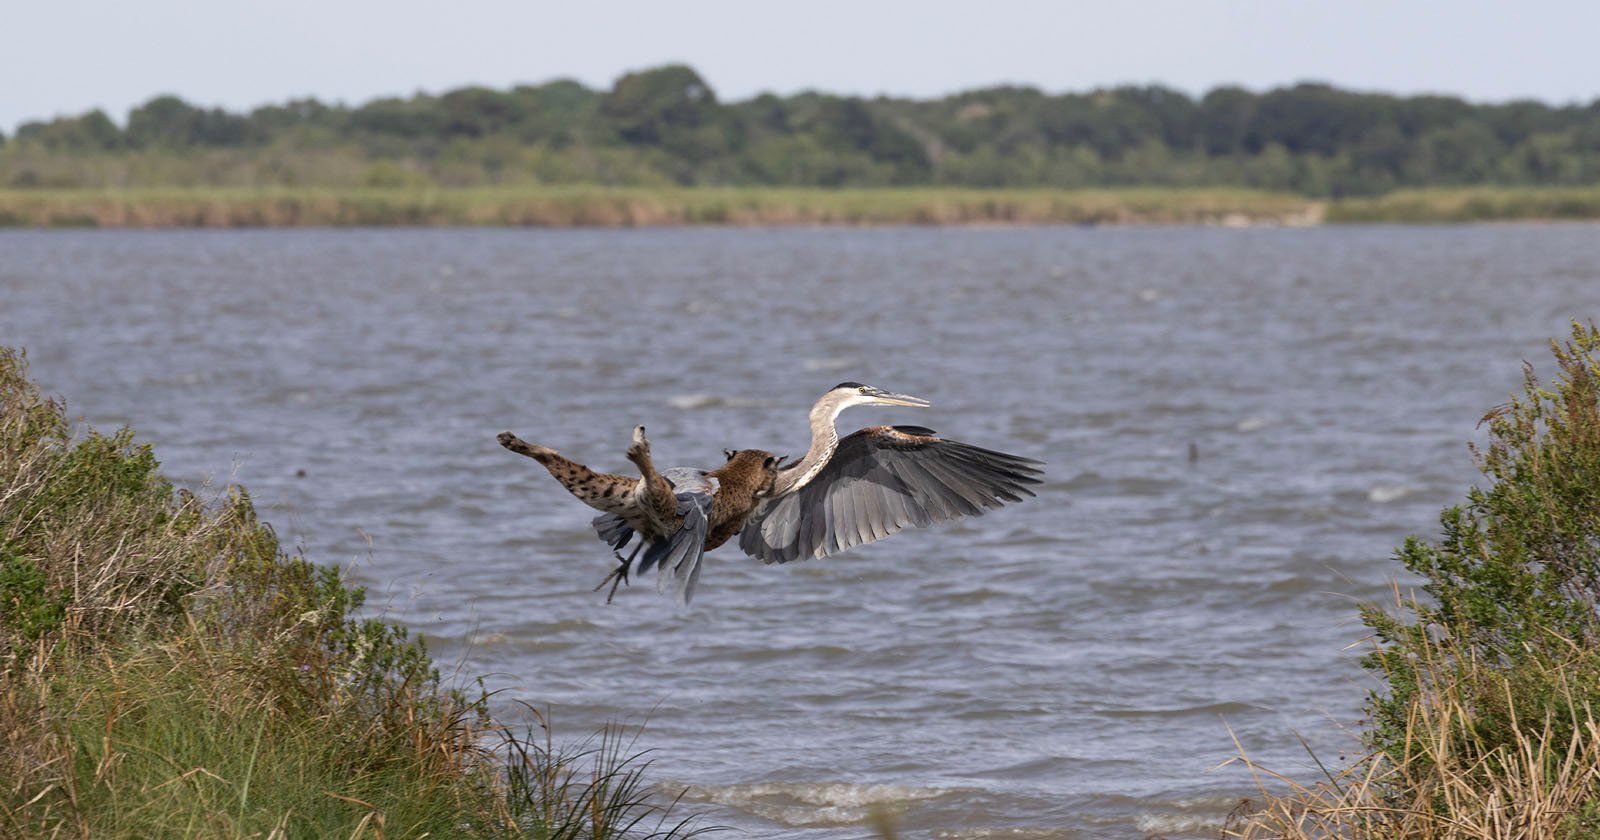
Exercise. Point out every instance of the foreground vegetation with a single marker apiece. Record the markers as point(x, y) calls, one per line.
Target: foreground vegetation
point(666, 127)
point(1486, 726)
point(166, 670)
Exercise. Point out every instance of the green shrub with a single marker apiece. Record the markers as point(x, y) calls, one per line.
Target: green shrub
point(1509, 628)
point(27, 605)
point(1484, 726)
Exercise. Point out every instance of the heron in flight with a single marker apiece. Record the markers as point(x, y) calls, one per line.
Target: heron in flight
point(876, 482)
point(842, 493)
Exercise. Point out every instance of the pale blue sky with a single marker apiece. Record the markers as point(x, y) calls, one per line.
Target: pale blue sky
point(67, 56)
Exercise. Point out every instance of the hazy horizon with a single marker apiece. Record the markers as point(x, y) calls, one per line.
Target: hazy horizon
point(251, 55)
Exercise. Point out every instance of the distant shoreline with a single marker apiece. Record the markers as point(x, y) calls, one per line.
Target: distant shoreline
point(593, 206)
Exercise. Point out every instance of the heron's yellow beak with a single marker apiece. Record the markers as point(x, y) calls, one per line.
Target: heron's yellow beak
point(887, 398)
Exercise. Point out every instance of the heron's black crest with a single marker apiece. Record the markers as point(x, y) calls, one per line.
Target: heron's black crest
point(851, 385)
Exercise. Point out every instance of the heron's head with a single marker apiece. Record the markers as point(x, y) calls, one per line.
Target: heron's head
point(847, 394)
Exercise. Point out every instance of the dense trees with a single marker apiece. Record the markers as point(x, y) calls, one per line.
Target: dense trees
point(666, 125)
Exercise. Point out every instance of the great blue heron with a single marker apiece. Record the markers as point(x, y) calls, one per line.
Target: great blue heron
point(679, 514)
point(842, 493)
point(876, 482)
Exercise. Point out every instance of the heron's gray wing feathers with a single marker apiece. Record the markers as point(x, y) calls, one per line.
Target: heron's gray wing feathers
point(689, 478)
point(882, 480)
point(679, 554)
point(613, 530)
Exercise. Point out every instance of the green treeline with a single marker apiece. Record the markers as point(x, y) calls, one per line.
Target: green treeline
point(666, 127)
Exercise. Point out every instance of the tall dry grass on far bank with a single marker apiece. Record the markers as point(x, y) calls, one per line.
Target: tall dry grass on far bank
point(561, 206)
point(598, 206)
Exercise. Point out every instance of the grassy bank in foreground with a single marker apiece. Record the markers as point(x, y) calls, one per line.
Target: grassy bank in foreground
point(582, 206)
point(167, 671)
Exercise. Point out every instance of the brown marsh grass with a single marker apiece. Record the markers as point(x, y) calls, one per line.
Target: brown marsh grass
point(596, 206)
point(592, 206)
point(1445, 785)
point(1472, 204)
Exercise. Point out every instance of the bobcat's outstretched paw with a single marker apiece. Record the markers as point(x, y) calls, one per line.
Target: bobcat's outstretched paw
point(522, 447)
point(640, 450)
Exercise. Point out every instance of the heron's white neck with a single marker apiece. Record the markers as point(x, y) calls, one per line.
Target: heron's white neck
point(824, 439)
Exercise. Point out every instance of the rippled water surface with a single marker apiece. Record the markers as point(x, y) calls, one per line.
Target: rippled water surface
point(1238, 427)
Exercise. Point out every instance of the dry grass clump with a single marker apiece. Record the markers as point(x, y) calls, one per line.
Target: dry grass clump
point(1448, 782)
point(166, 670)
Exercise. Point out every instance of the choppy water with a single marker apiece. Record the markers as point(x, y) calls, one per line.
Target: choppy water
point(1068, 667)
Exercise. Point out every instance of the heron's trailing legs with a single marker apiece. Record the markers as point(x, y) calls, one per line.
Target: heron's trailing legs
point(619, 575)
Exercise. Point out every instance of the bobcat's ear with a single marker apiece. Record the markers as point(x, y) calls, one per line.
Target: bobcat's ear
point(729, 453)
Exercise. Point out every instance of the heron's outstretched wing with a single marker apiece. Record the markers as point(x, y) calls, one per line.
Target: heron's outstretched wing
point(881, 480)
point(679, 553)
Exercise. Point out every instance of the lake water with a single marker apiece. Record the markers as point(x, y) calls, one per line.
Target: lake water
point(1068, 667)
